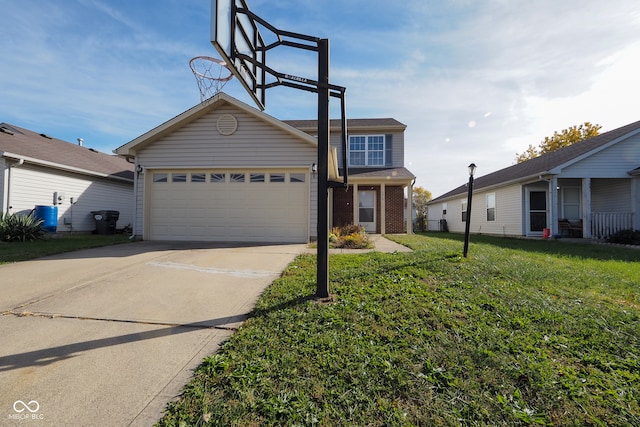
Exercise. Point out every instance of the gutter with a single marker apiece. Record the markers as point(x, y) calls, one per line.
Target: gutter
point(536, 177)
point(22, 159)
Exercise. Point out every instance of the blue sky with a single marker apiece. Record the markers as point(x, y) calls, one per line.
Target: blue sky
point(474, 81)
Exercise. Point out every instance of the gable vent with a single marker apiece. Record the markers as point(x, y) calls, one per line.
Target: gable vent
point(227, 124)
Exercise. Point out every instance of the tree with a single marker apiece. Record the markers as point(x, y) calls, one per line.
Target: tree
point(420, 199)
point(559, 140)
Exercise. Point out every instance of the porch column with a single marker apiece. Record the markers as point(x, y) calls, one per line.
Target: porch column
point(635, 202)
point(330, 208)
point(553, 214)
point(410, 209)
point(355, 203)
point(586, 208)
point(383, 210)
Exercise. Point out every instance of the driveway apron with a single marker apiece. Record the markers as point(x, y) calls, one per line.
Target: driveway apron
point(107, 336)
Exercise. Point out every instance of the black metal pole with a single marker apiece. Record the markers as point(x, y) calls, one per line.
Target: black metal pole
point(468, 219)
point(322, 290)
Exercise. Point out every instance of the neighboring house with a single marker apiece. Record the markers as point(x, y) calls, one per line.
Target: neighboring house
point(37, 170)
point(225, 171)
point(590, 189)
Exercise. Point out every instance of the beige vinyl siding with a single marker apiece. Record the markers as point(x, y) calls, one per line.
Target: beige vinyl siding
point(613, 162)
point(34, 185)
point(255, 144)
point(508, 214)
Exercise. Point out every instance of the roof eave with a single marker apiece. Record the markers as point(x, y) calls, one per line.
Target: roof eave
point(59, 166)
point(130, 148)
point(523, 180)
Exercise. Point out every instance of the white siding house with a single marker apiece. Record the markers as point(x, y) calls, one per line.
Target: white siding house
point(37, 170)
point(590, 189)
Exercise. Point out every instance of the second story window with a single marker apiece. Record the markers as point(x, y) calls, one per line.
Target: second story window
point(366, 150)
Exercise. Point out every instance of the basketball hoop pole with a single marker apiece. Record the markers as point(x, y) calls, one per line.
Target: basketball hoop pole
point(246, 58)
point(322, 270)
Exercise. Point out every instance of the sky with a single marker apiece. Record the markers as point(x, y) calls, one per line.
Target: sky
point(475, 81)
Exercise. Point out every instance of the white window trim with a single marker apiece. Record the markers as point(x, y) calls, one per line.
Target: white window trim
point(366, 150)
point(495, 211)
point(463, 210)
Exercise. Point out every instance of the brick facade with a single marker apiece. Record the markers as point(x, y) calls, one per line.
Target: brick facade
point(342, 207)
point(394, 220)
point(394, 207)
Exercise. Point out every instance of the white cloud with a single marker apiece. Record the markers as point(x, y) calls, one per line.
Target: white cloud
point(517, 70)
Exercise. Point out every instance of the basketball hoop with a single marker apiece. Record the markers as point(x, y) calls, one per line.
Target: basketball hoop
point(211, 75)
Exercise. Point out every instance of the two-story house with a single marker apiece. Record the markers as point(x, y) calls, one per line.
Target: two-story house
point(377, 176)
point(225, 171)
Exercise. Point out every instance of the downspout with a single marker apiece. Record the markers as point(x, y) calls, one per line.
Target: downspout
point(20, 162)
point(410, 207)
point(137, 169)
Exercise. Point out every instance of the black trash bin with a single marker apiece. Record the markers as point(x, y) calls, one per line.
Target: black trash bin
point(105, 221)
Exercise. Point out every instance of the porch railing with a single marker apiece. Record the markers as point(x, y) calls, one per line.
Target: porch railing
point(604, 224)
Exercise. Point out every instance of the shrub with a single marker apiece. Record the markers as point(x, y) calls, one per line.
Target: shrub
point(352, 236)
point(20, 228)
point(625, 237)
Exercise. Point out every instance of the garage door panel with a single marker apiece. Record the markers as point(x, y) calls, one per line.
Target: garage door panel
point(229, 211)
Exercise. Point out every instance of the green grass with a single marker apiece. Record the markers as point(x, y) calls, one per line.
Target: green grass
point(18, 251)
point(519, 333)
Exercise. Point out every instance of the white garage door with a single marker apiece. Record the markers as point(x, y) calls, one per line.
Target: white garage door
point(228, 206)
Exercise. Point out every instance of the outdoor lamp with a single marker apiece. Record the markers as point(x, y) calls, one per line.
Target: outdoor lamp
point(314, 169)
point(472, 170)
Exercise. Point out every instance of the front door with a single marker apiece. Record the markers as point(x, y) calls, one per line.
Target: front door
point(367, 210)
point(537, 211)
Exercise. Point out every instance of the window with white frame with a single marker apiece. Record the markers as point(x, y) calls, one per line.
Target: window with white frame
point(491, 207)
point(464, 211)
point(366, 150)
point(571, 206)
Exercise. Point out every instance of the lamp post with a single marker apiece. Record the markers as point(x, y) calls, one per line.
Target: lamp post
point(472, 170)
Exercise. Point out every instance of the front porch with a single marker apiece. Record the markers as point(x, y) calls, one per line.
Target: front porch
point(590, 208)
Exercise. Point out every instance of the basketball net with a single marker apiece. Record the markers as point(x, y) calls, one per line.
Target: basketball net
point(211, 75)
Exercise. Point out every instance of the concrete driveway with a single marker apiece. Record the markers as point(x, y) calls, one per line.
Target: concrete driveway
point(107, 336)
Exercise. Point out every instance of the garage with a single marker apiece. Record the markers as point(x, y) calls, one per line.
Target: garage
point(228, 205)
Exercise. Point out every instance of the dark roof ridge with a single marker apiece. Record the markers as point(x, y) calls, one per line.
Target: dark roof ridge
point(546, 162)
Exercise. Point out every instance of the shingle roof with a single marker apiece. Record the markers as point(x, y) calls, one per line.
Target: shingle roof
point(393, 173)
point(312, 125)
point(546, 162)
point(25, 143)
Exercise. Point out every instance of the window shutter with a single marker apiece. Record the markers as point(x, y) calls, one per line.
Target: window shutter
point(388, 150)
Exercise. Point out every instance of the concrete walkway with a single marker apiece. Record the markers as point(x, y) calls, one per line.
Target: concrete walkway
point(381, 244)
point(108, 336)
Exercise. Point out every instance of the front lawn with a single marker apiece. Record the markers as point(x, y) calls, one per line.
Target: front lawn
point(520, 333)
point(23, 251)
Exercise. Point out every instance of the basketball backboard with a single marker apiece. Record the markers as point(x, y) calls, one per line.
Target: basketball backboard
point(237, 39)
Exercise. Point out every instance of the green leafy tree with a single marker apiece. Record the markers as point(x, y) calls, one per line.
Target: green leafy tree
point(420, 199)
point(559, 140)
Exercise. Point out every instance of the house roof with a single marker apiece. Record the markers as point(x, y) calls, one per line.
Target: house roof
point(18, 143)
point(549, 163)
point(352, 124)
point(129, 149)
point(402, 174)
